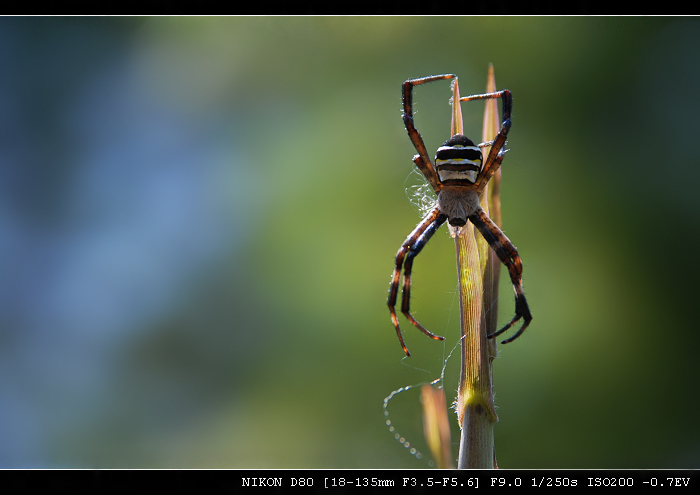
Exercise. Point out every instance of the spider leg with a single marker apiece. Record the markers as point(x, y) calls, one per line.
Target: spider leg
point(504, 94)
point(490, 168)
point(495, 156)
point(424, 164)
point(426, 170)
point(509, 256)
point(404, 259)
point(408, 266)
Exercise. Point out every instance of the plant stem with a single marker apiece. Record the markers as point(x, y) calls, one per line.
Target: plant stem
point(436, 425)
point(475, 407)
point(478, 271)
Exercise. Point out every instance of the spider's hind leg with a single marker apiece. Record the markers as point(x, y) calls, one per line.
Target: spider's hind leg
point(495, 156)
point(424, 164)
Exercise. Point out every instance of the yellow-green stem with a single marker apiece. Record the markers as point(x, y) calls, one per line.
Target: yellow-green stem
point(475, 399)
point(478, 270)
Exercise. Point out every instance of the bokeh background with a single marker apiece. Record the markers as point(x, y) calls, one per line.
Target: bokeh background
point(198, 219)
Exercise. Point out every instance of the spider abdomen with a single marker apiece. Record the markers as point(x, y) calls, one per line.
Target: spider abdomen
point(457, 203)
point(458, 161)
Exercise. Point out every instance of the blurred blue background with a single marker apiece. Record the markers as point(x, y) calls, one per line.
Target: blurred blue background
point(198, 219)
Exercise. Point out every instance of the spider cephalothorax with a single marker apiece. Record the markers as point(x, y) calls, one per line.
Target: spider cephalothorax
point(458, 177)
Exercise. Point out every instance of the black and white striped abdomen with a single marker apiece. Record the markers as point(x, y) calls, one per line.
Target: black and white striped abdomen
point(458, 160)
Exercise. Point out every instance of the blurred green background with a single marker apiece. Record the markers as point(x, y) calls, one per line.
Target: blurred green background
point(198, 219)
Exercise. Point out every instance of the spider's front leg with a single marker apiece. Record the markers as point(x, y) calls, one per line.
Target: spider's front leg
point(506, 252)
point(410, 248)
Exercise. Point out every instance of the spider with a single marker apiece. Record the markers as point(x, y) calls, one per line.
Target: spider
point(458, 178)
